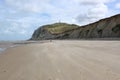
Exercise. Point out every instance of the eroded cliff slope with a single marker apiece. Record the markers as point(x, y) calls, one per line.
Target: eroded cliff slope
point(105, 28)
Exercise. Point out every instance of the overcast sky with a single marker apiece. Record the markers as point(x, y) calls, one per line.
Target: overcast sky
point(19, 18)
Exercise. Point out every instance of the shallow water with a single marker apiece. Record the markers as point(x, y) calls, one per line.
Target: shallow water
point(6, 45)
point(2, 49)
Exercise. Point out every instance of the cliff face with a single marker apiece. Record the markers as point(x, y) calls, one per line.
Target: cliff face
point(105, 28)
point(52, 31)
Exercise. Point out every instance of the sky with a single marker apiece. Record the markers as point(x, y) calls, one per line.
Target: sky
point(19, 18)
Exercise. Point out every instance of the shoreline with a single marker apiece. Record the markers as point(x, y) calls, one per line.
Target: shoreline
point(88, 39)
point(2, 50)
point(4, 45)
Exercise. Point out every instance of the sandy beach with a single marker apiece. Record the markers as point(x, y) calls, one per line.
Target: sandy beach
point(62, 60)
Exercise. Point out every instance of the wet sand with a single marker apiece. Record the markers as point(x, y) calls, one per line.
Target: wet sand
point(4, 45)
point(9, 44)
point(62, 60)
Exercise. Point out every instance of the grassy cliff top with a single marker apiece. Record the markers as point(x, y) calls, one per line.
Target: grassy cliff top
point(58, 28)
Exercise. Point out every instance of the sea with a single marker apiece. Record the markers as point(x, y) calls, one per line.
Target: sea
point(2, 49)
point(5, 45)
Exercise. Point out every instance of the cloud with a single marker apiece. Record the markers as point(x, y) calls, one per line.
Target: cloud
point(30, 5)
point(66, 10)
point(94, 10)
point(15, 29)
point(62, 11)
point(95, 2)
point(117, 5)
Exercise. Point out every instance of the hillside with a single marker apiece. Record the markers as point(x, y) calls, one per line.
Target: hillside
point(49, 31)
point(105, 28)
point(59, 28)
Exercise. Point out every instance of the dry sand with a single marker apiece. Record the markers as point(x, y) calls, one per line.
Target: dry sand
point(62, 60)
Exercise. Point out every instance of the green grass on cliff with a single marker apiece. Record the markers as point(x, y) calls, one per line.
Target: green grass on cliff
point(58, 28)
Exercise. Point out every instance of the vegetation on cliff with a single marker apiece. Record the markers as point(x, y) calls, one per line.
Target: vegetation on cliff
point(58, 28)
